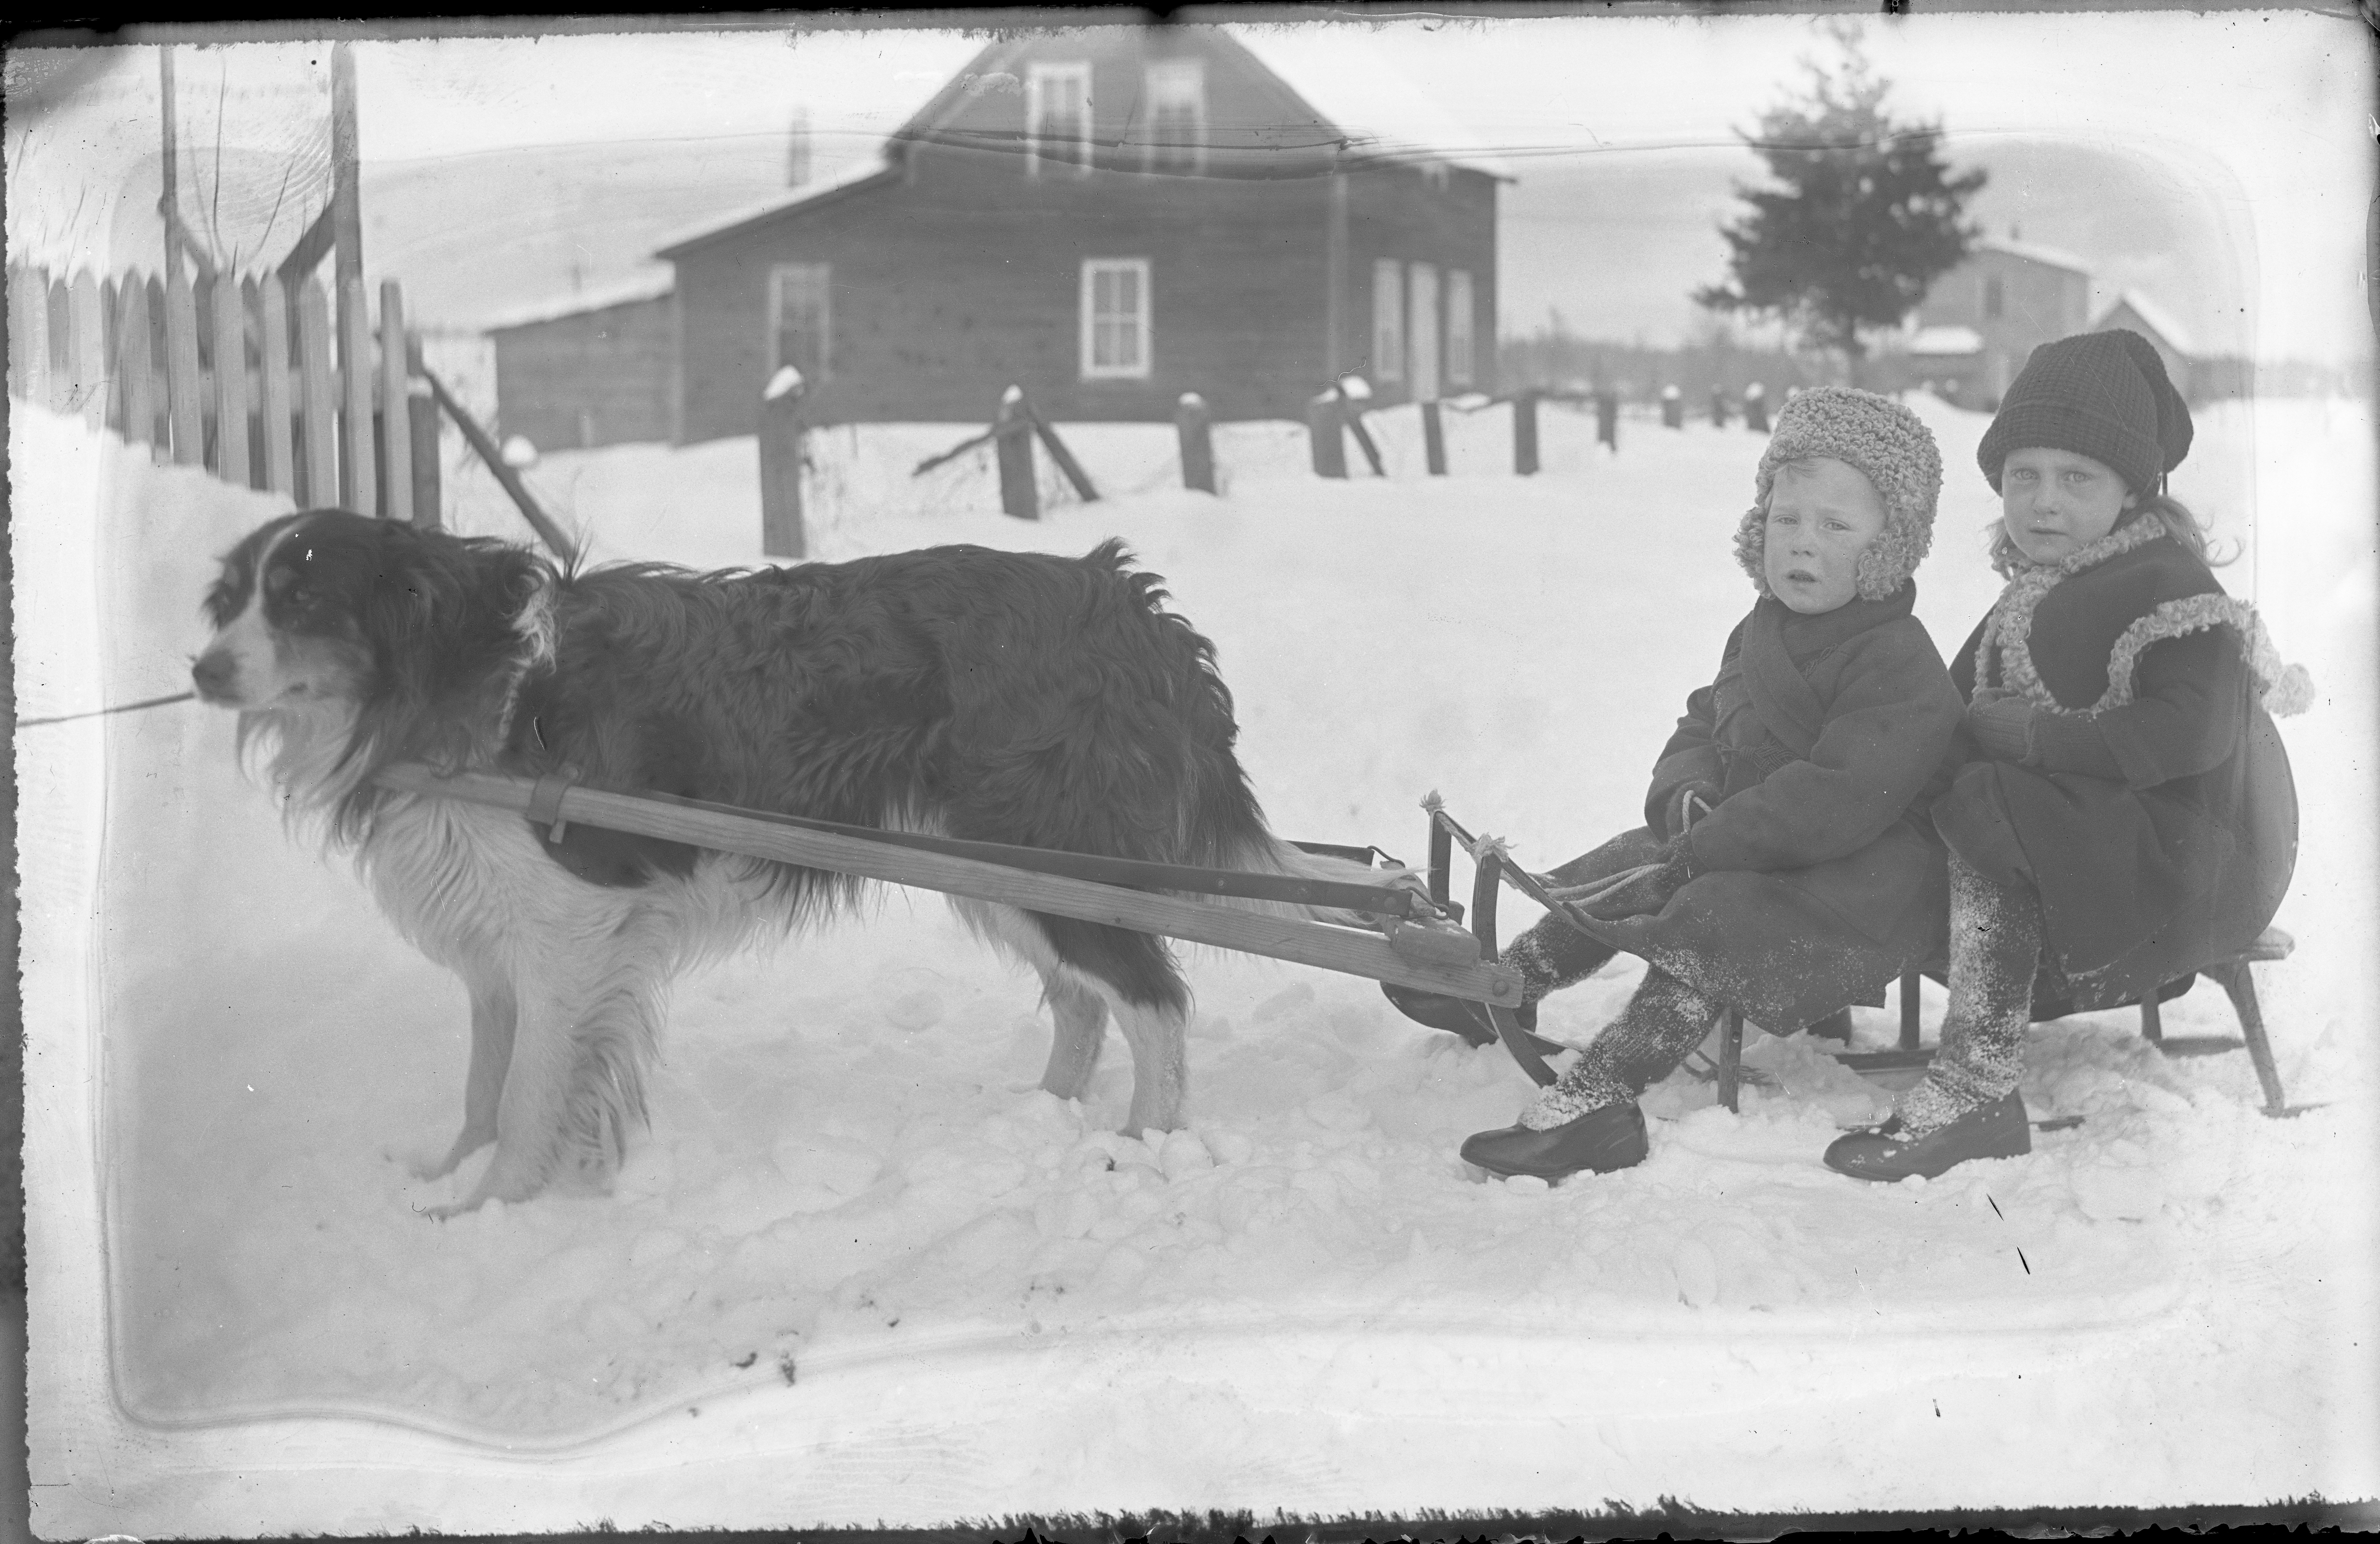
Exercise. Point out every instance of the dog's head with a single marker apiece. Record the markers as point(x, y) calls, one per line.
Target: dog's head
point(402, 640)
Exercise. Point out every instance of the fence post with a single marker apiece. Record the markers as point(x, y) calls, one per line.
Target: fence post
point(1756, 408)
point(1011, 440)
point(182, 368)
point(133, 364)
point(317, 395)
point(396, 409)
point(1433, 439)
point(1607, 418)
point(1323, 429)
point(1673, 409)
point(421, 420)
point(780, 466)
point(231, 381)
point(1193, 429)
point(273, 383)
point(1525, 431)
point(358, 473)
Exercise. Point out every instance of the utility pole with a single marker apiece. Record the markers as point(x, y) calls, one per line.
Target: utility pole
point(167, 205)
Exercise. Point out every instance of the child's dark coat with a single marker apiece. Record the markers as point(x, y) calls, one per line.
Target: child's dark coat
point(1814, 883)
point(2160, 832)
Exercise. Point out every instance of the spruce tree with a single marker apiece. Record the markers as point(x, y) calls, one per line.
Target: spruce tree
point(1867, 218)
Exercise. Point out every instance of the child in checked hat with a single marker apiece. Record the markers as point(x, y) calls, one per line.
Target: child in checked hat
point(1789, 867)
point(2126, 813)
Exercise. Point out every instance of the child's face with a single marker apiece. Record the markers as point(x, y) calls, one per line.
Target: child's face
point(1822, 514)
point(2055, 502)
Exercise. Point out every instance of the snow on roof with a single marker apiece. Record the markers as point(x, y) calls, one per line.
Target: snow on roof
point(1944, 341)
point(1343, 77)
point(649, 285)
point(2160, 321)
point(861, 172)
point(2033, 251)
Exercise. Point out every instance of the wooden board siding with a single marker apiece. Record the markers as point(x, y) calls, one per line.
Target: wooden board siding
point(593, 378)
point(1394, 212)
point(949, 288)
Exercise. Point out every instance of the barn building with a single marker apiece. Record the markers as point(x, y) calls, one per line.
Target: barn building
point(2136, 312)
point(596, 369)
point(1108, 217)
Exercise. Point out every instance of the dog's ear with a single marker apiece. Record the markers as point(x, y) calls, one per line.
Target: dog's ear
point(443, 614)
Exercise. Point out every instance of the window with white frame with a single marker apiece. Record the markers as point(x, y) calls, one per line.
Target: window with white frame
point(800, 321)
point(1115, 319)
point(1058, 115)
point(1459, 368)
point(1388, 319)
point(1174, 110)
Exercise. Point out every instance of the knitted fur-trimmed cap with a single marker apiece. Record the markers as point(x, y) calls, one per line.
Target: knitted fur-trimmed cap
point(1881, 440)
point(2101, 394)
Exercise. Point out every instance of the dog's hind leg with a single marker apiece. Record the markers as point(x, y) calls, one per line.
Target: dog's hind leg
point(495, 1015)
point(1082, 1025)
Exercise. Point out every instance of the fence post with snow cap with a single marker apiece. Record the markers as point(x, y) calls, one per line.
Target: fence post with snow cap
point(1355, 391)
point(1525, 431)
point(1433, 438)
point(1011, 440)
point(135, 368)
point(1673, 409)
point(1194, 428)
point(396, 412)
point(274, 404)
point(230, 350)
point(190, 432)
point(781, 465)
point(1323, 419)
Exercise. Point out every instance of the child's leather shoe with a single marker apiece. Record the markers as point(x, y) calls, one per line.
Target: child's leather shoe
point(1605, 1140)
point(1997, 1130)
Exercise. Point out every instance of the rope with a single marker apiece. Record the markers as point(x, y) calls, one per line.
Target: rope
point(101, 713)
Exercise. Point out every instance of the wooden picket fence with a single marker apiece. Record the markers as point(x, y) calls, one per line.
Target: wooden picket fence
point(327, 419)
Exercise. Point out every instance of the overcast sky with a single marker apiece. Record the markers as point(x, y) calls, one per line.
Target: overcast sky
point(2269, 114)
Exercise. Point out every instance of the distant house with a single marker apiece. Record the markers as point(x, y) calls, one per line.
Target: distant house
point(2134, 311)
point(1108, 217)
point(596, 368)
point(1983, 318)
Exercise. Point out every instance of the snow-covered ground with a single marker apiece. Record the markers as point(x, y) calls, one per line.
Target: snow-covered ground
point(860, 1268)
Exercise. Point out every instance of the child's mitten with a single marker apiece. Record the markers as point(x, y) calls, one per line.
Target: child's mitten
point(2001, 723)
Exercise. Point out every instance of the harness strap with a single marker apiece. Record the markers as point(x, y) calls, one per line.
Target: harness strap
point(545, 801)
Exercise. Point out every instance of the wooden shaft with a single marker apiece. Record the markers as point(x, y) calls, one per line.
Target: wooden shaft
point(548, 533)
point(1316, 943)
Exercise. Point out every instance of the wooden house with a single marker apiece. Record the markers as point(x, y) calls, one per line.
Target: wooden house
point(2134, 311)
point(591, 370)
point(1108, 217)
point(1982, 319)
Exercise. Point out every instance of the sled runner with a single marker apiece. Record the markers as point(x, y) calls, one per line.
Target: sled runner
point(1412, 943)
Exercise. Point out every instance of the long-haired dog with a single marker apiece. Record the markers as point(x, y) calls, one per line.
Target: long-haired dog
point(1016, 698)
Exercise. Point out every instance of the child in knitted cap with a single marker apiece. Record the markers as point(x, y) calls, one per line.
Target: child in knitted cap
point(2126, 814)
point(1789, 876)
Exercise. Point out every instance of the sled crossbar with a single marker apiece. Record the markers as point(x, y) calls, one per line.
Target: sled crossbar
point(785, 839)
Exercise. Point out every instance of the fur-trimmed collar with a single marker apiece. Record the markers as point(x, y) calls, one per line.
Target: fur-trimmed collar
point(2287, 689)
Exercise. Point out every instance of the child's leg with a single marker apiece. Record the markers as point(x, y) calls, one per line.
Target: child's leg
point(1665, 1020)
point(1552, 955)
point(1995, 950)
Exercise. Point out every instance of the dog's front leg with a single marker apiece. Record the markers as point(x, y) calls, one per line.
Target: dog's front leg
point(528, 1091)
point(494, 1018)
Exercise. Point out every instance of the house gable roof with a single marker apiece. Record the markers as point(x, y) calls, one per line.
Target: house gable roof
point(2034, 252)
point(866, 174)
point(2159, 322)
point(1329, 90)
